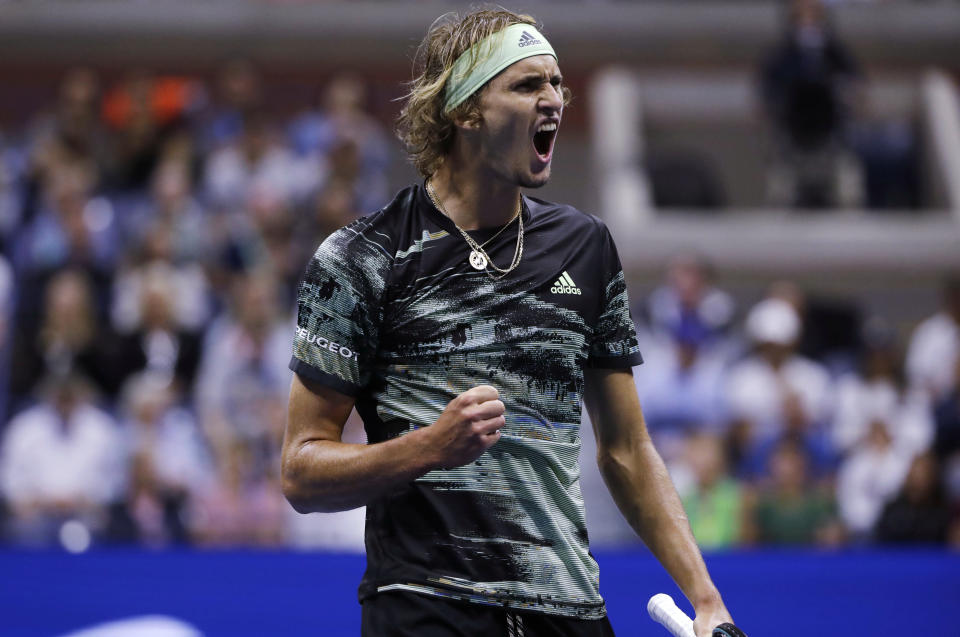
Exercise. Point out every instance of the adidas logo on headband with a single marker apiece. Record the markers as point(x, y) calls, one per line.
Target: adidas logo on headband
point(528, 40)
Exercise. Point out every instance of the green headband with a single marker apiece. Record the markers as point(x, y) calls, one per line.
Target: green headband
point(480, 63)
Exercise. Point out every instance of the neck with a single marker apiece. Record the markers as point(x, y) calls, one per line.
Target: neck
point(473, 199)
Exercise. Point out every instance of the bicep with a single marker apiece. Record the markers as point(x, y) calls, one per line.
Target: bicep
point(315, 412)
point(611, 399)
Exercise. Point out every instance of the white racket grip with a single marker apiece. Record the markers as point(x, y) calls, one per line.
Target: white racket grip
point(662, 609)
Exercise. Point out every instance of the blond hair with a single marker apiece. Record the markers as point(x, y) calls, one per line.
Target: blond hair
point(423, 126)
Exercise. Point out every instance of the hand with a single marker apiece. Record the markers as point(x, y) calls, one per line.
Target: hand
point(468, 426)
point(709, 617)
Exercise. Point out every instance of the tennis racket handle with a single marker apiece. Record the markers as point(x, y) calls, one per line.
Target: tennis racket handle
point(663, 610)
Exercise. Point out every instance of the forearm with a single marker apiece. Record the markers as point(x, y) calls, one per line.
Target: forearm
point(642, 489)
point(326, 475)
point(322, 473)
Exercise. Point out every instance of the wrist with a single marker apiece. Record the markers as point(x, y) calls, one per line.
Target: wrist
point(421, 450)
point(706, 599)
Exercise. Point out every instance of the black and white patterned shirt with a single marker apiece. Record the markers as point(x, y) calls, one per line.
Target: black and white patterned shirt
point(392, 313)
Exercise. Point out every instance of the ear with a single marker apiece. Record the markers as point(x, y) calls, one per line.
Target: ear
point(468, 121)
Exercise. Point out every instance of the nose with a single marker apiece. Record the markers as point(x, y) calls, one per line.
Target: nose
point(551, 99)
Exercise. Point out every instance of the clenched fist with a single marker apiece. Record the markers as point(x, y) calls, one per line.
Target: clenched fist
point(468, 426)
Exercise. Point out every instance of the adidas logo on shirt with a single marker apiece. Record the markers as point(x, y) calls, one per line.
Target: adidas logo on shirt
point(565, 285)
point(528, 40)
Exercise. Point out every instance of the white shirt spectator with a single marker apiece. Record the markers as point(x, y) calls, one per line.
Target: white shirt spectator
point(869, 478)
point(860, 403)
point(239, 379)
point(231, 179)
point(670, 393)
point(932, 355)
point(44, 461)
point(191, 304)
point(176, 449)
point(756, 392)
point(760, 392)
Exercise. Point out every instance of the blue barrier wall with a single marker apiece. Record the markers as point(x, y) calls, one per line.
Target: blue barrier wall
point(772, 594)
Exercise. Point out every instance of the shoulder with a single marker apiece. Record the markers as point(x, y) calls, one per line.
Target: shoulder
point(807, 371)
point(937, 327)
point(563, 225)
point(94, 420)
point(378, 231)
point(566, 214)
point(850, 384)
point(370, 242)
point(34, 422)
point(749, 373)
point(362, 254)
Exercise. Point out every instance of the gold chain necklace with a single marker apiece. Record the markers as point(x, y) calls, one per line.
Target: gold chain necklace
point(479, 259)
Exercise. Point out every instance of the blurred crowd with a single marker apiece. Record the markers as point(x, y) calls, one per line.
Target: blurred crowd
point(153, 233)
point(830, 147)
point(804, 422)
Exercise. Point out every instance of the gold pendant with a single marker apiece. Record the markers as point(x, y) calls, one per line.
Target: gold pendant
point(478, 261)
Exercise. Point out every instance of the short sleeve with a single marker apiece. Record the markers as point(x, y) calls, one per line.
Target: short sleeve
point(614, 343)
point(339, 311)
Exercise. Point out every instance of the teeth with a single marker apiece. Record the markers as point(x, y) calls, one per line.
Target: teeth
point(549, 126)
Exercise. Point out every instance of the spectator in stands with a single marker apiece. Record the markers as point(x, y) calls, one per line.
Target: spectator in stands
point(808, 83)
point(72, 229)
point(70, 338)
point(144, 112)
point(239, 91)
point(157, 342)
point(257, 162)
point(715, 504)
point(920, 513)
point(243, 381)
point(173, 205)
point(689, 300)
point(154, 257)
point(790, 509)
point(264, 239)
point(830, 328)
point(69, 137)
point(871, 476)
point(947, 421)
point(60, 460)
point(169, 464)
point(332, 208)
point(947, 446)
point(935, 346)
point(687, 348)
point(12, 168)
point(244, 507)
point(349, 139)
point(681, 386)
point(879, 393)
point(775, 393)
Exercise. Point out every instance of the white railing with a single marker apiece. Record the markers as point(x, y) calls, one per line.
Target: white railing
point(941, 109)
point(763, 238)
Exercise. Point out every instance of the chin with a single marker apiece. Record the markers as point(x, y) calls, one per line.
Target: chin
point(535, 181)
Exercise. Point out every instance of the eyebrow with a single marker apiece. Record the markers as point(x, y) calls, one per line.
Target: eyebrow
point(538, 76)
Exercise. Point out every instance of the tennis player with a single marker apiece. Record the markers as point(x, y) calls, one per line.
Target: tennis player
point(468, 324)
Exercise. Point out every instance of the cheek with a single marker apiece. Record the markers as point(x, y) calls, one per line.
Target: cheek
point(506, 137)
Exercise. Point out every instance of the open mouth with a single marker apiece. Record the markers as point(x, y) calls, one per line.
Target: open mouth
point(543, 138)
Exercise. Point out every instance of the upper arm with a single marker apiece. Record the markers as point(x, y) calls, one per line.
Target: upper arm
point(614, 408)
point(315, 412)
